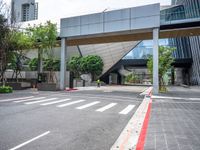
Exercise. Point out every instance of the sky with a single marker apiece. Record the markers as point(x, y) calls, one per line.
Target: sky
point(56, 9)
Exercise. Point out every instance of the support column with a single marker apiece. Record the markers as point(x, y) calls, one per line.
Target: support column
point(63, 64)
point(155, 61)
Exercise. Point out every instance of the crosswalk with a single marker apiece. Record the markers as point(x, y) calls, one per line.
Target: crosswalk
point(64, 102)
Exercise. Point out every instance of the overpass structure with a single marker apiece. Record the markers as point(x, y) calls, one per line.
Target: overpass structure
point(125, 25)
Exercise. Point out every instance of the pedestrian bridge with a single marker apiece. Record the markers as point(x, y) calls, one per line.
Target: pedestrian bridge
point(131, 24)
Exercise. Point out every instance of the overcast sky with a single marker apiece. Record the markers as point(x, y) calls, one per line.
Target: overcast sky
point(56, 9)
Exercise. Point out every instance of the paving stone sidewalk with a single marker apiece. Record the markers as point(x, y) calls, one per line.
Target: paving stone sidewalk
point(174, 125)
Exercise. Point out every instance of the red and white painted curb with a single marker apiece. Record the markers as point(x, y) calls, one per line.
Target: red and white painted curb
point(134, 134)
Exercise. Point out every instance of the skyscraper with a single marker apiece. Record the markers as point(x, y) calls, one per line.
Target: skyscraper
point(191, 9)
point(24, 10)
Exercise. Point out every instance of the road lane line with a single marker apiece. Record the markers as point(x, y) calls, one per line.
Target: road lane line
point(13, 99)
point(70, 103)
point(102, 109)
point(37, 98)
point(45, 100)
point(88, 105)
point(29, 141)
point(55, 102)
point(127, 109)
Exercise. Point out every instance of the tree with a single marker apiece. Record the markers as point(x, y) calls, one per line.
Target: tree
point(92, 64)
point(165, 61)
point(3, 30)
point(74, 65)
point(89, 64)
point(21, 41)
point(44, 38)
point(5, 41)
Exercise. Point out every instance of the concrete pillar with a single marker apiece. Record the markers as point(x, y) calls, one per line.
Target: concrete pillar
point(155, 61)
point(63, 64)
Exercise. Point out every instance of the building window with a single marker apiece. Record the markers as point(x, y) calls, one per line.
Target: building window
point(25, 12)
point(36, 11)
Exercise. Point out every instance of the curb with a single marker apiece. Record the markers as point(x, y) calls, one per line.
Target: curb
point(143, 133)
point(134, 134)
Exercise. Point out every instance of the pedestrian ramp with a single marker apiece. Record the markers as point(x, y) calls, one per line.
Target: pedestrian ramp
point(78, 104)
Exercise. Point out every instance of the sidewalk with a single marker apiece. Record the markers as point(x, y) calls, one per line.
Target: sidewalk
point(175, 123)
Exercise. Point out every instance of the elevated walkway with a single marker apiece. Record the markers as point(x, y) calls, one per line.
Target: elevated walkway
point(125, 25)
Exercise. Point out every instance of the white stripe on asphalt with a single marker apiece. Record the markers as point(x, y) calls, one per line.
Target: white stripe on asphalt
point(88, 105)
point(29, 141)
point(37, 98)
point(55, 102)
point(45, 100)
point(106, 107)
point(70, 103)
point(13, 99)
point(127, 109)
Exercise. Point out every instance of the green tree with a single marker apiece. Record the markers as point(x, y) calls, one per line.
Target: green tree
point(89, 64)
point(74, 65)
point(44, 38)
point(52, 64)
point(92, 64)
point(165, 61)
point(21, 41)
point(6, 41)
point(3, 35)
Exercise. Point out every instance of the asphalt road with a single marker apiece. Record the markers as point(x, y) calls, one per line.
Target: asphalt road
point(87, 120)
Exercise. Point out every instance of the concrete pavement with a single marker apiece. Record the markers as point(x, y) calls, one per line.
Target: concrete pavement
point(175, 120)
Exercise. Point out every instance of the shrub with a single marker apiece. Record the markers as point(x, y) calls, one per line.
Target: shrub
point(51, 64)
point(6, 89)
point(33, 64)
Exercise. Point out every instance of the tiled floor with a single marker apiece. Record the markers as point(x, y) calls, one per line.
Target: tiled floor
point(174, 125)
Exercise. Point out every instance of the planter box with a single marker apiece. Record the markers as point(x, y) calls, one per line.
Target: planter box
point(47, 87)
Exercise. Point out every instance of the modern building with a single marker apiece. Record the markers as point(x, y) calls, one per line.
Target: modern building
point(24, 10)
point(187, 54)
point(190, 45)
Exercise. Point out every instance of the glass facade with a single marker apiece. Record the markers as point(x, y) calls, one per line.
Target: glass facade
point(182, 9)
point(190, 44)
point(145, 48)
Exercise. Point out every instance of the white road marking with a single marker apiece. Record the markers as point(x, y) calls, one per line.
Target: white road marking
point(70, 103)
point(194, 99)
point(166, 97)
point(106, 107)
point(45, 100)
point(37, 98)
point(55, 102)
point(13, 99)
point(127, 109)
point(29, 141)
point(88, 105)
point(175, 98)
